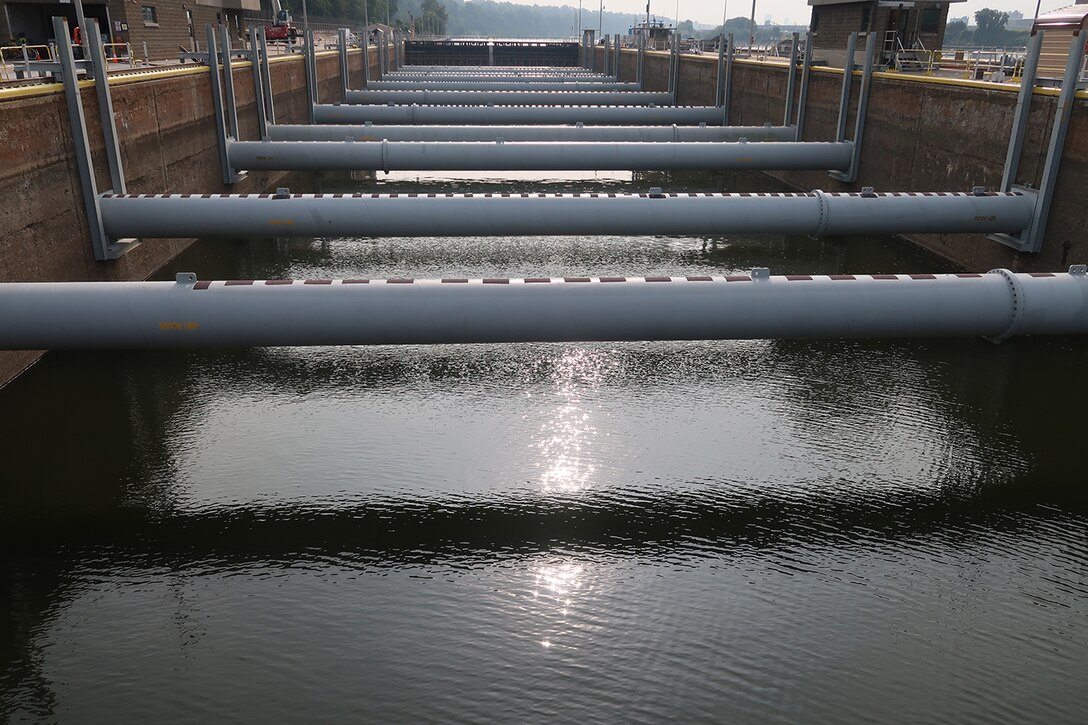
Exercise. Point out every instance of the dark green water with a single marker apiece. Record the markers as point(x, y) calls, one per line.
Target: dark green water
point(817, 531)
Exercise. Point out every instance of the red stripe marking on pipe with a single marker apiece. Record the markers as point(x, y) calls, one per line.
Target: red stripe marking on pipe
point(613, 279)
point(798, 278)
point(537, 280)
point(576, 279)
point(356, 281)
point(700, 279)
point(274, 282)
point(1040, 274)
point(969, 276)
point(658, 279)
point(737, 278)
point(318, 281)
point(495, 280)
point(400, 281)
point(921, 276)
point(841, 276)
point(452, 280)
point(884, 276)
point(201, 285)
point(238, 283)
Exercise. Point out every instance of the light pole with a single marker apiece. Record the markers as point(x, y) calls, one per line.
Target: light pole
point(579, 18)
point(600, 20)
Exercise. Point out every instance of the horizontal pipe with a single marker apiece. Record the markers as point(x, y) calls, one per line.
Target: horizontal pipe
point(188, 313)
point(510, 98)
point(511, 84)
point(515, 70)
point(520, 115)
point(530, 133)
point(460, 215)
point(536, 156)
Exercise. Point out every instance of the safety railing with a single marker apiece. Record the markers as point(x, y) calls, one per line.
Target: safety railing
point(13, 56)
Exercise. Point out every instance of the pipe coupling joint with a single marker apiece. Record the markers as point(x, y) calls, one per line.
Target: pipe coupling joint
point(821, 219)
point(1016, 296)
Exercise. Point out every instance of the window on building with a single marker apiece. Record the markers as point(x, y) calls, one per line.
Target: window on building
point(151, 17)
point(815, 20)
point(866, 15)
point(931, 20)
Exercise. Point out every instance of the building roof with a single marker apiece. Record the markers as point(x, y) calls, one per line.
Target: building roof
point(883, 3)
point(1068, 18)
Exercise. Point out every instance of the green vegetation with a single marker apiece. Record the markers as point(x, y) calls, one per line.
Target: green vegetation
point(989, 32)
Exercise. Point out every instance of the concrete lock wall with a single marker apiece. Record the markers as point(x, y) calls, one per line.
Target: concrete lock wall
point(921, 134)
point(166, 129)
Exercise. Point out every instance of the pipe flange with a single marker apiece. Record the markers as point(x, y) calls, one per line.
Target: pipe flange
point(1016, 294)
point(821, 220)
point(385, 155)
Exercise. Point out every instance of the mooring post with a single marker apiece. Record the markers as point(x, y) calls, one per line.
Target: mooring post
point(105, 108)
point(851, 175)
point(847, 78)
point(266, 78)
point(258, 85)
point(802, 103)
point(791, 82)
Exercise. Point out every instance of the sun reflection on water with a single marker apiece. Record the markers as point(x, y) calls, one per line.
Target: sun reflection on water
point(568, 433)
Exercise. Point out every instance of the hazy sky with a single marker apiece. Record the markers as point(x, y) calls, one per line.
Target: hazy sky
point(780, 11)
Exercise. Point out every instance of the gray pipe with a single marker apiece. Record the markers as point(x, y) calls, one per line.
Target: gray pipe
point(510, 98)
point(529, 133)
point(535, 156)
point(520, 115)
point(500, 85)
point(188, 313)
point(452, 215)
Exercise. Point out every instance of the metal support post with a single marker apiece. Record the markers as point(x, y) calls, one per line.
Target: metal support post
point(847, 78)
point(1023, 108)
point(104, 248)
point(228, 83)
point(791, 82)
point(641, 58)
point(720, 87)
point(258, 85)
point(266, 79)
point(311, 72)
point(366, 57)
point(802, 103)
point(491, 54)
point(674, 79)
point(851, 175)
point(727, 93)
point(1062, 114)
point(606, 46)
point(229, 177)
point(105, 108)
point(342, 47)
point(386, 65)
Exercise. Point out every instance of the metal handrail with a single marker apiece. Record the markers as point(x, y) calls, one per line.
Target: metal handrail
point(25, 61)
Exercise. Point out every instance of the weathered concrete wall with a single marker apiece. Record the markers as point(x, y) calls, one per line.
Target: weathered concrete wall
point(166, 128)
point(920, 135)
